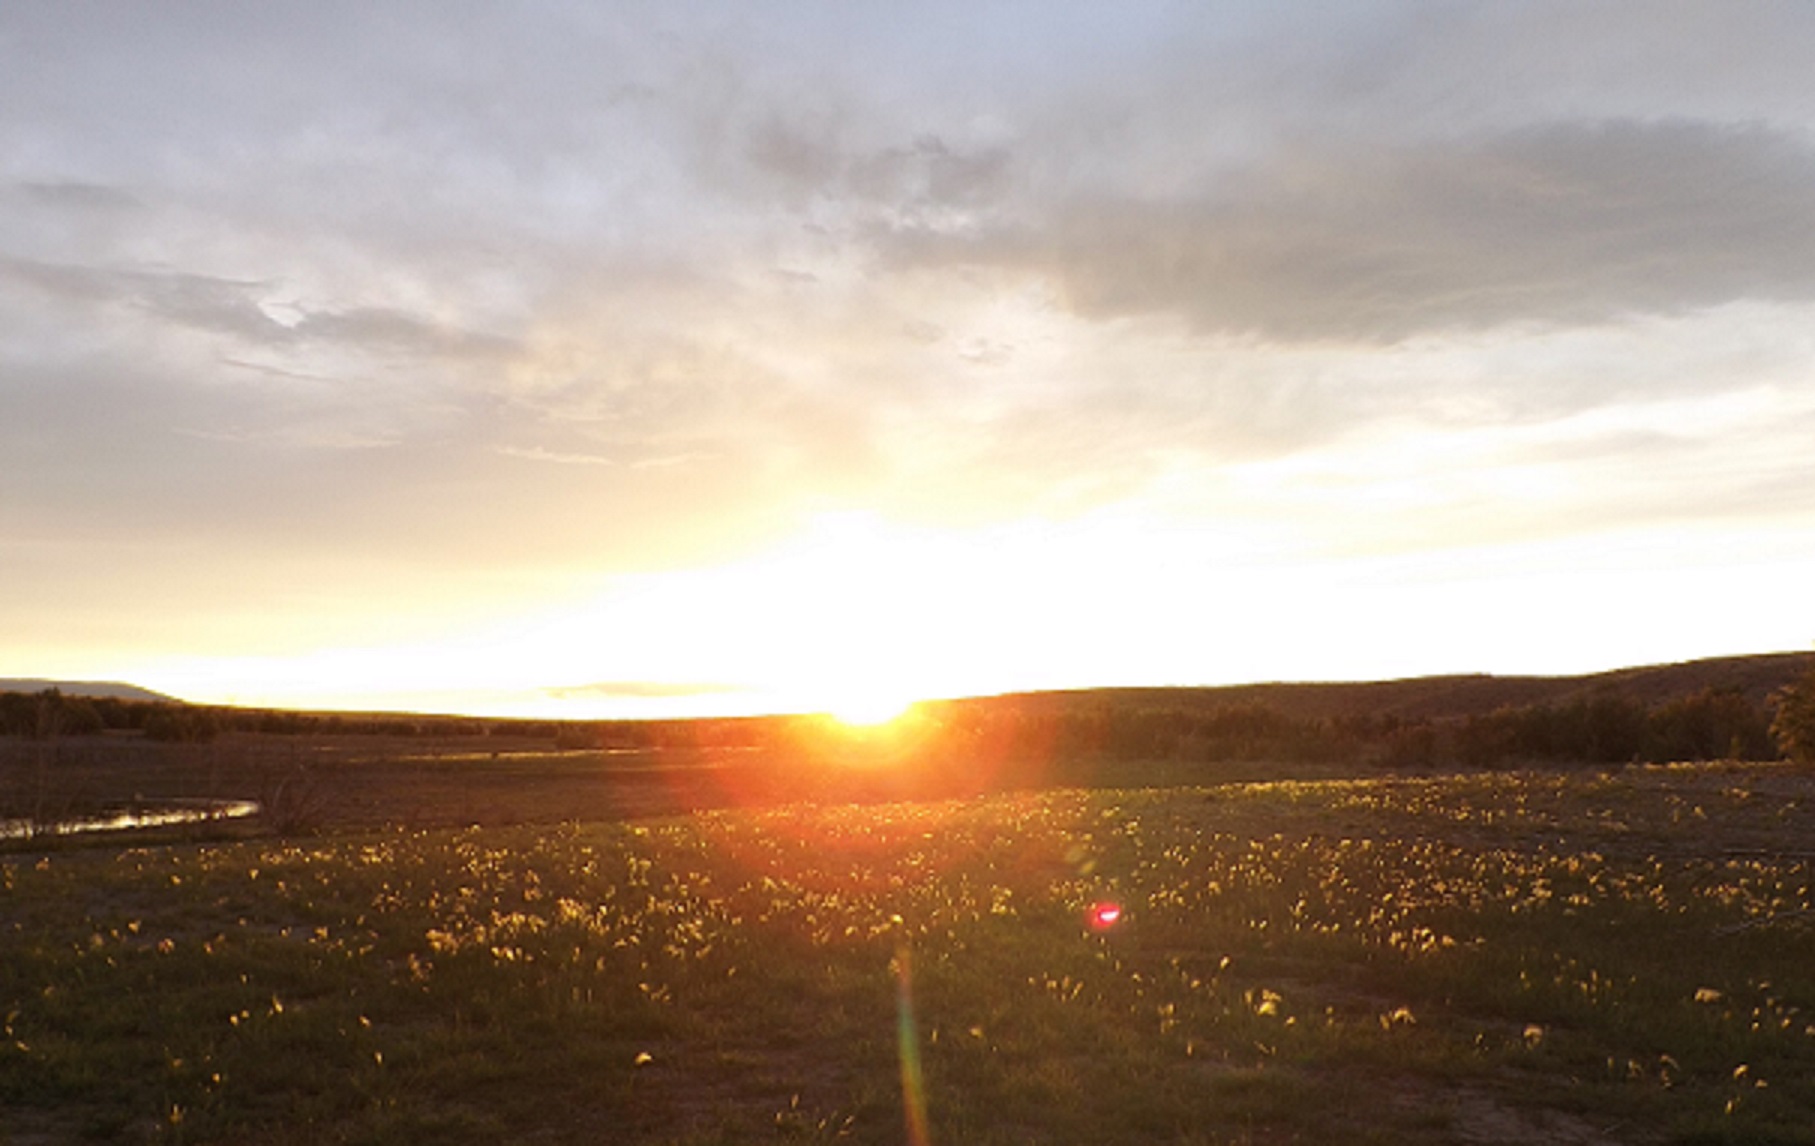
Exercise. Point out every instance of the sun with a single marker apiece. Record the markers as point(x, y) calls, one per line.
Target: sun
point(869, 711)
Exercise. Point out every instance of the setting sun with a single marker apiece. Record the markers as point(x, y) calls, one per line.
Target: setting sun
point(869, 711)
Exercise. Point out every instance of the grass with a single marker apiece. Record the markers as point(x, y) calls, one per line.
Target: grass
point(1591, 958)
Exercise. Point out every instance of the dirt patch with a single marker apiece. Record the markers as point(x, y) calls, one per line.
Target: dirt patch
point(1482, 1118)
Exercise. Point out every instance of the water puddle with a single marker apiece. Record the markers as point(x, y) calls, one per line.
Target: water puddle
point(146, 815)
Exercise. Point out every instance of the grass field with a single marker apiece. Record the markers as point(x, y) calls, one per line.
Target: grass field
point(1626, 957)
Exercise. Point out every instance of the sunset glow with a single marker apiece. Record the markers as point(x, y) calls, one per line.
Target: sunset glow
point(684, 359)
point(869, 711)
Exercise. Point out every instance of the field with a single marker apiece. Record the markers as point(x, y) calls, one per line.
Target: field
point(1577, 957)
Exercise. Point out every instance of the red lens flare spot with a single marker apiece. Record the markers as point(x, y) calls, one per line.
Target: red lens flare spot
point(1103, 916)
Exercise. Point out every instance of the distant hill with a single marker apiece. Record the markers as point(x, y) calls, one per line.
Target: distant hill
point(1441, 697)
point(111, 689)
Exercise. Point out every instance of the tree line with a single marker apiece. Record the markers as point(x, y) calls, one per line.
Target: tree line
point(51, 714)
point(1712, 724)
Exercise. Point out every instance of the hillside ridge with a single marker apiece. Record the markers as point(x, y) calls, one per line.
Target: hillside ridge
point(1455, 695)
point(90, 688)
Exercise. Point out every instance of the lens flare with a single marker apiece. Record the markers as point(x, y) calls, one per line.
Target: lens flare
point(907, 1037)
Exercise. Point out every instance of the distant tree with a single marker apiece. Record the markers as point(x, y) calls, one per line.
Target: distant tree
point(1488, 739)
point(47, 715)
point(1794, 726)
point(113, 711)
point(18, 714)
point(1612, 729)
point(79, 717)
point(172, 724)
point(1414, 744)
point(1712, 724)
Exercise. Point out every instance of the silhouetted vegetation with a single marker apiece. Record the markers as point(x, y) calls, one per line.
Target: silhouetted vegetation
point(1794, 726)
point(47, 715)
point(1713, 724)
point(172, 724)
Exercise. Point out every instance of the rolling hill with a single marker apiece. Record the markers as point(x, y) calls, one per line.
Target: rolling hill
point(92, 688)
point(1442, 697)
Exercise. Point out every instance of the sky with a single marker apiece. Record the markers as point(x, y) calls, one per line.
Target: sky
point(631, 360)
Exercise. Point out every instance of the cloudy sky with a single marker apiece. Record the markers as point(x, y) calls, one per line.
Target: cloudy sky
point(685, 358)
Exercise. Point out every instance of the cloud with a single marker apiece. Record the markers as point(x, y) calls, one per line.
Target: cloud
point(538, 454)
point(912, 178)
point(78, 196)
point(237, 308)
point(1560, 224)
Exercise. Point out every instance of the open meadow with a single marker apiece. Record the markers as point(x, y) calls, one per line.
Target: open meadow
point(1579, 957)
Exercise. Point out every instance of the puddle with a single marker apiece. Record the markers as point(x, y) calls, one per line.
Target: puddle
point(146, 815)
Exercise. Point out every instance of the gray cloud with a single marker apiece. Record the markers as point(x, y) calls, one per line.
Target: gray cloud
point(232, 307)
point(389, 328)
point(1559, 224)
point(907, 180)
point(78, 196)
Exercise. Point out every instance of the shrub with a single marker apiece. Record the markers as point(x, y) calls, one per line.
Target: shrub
point(1794, 726)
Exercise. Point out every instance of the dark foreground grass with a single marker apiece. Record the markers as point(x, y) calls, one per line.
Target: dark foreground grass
point(1495, 959)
